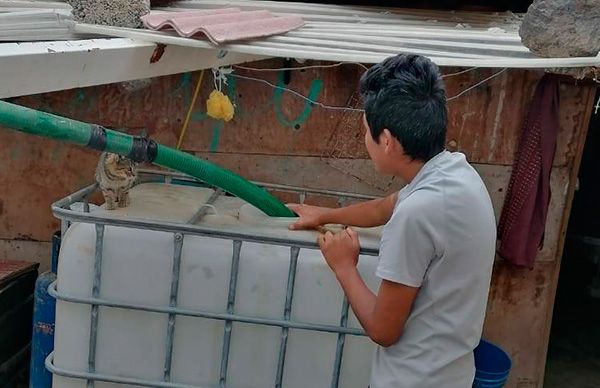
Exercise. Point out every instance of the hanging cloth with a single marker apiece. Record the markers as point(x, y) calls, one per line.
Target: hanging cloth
point(523, 218)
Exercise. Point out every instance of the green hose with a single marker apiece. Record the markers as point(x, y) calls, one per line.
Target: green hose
point(72, 131)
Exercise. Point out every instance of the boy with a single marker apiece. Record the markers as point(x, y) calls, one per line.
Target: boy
point(438, 243)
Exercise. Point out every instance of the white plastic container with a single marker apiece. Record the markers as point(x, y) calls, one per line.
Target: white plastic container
point(137, 267)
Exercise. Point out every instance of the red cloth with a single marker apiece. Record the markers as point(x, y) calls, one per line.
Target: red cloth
point(523, 218)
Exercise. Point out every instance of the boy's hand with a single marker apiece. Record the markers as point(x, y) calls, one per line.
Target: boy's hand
point(340, 250)
point(311, 217)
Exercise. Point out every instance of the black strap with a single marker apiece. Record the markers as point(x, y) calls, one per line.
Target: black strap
point(98, 138)
point(143, 149)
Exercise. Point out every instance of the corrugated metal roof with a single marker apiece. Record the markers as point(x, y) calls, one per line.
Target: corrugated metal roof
point(332, 33)
point(368, 35)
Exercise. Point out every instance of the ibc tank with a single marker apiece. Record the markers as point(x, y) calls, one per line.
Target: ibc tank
point(188, 287)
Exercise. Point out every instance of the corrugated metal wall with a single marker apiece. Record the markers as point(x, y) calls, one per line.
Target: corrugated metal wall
point(277, 137)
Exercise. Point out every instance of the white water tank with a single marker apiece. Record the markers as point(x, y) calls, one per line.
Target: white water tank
point(137, 269)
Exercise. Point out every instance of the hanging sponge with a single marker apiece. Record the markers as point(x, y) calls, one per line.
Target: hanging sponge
point(219, 106)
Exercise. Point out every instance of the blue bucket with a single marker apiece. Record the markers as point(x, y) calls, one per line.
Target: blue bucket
point(492, 366)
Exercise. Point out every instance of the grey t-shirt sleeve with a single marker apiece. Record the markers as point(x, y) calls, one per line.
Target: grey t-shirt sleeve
point(408, 244)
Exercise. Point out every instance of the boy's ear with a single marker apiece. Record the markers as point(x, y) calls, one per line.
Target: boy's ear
point(389, 141)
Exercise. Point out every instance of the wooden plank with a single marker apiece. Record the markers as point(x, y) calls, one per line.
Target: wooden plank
point(23, 66)
point(55, 169)
point(308, 172)
point(11, 269)
point(359, 176)
point(516, 316)
point(485, 123)
point(37, 172)
point(581, 127)
point(159, 108)
point(520, 306)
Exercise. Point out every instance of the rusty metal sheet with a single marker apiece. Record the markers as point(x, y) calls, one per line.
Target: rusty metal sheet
point(359, 176)
point(496, 179)
point(55, 169)
point(575, 109)
point(27, 251)
point(11, 269)
point(279, 138)
point(519, 304)
point(35, 172)
point(301, 171)
point(485, 123)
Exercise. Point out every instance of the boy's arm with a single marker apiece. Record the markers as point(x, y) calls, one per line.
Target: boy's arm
point(383, 315)
point(367, 214)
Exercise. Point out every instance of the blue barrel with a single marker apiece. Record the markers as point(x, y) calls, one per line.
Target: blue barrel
point(44, 313)
point(492, 366)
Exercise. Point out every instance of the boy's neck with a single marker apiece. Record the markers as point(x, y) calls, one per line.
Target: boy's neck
point(409, 171)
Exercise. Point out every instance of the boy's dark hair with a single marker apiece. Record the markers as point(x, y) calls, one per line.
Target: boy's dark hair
point(406, 95)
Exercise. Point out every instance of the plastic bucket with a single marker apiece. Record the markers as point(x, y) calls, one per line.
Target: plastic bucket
point(492, 366)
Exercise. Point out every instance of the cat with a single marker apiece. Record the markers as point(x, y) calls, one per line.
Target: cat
point(115, 175)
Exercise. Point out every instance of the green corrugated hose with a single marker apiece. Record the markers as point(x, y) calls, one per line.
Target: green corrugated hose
point(72, 131)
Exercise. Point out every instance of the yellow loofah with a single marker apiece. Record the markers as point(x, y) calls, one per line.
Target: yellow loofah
point(218, 106)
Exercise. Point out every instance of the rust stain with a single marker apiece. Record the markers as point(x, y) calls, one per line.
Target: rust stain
point(499, 111)
point(25, 237)
point(158, 53)
point(45, 328)
point(519, 304)
point(508, 285)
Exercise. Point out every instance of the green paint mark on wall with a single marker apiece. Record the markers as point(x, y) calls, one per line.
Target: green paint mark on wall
point(199, 116)
point(216, 136)
point(315, 89)
point(184, 85)
point(14, 153)
point(56, 151)
point(80, 95)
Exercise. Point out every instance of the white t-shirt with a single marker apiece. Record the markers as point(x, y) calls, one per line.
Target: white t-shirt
point(441, 238)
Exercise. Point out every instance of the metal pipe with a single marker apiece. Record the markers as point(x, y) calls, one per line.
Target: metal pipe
point(339, 352)
point(289, 295)
point(235, 266)
point(205, 314)
point(177, 247)
point(97, 280)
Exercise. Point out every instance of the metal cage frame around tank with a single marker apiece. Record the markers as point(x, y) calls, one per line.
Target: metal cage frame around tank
point(62, 210)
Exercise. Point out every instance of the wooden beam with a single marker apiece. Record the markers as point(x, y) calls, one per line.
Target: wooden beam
point(24, 67)
point(359, 176)
point(575, 162)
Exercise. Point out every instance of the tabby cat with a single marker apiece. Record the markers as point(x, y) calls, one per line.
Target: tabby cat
point(115, 175)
